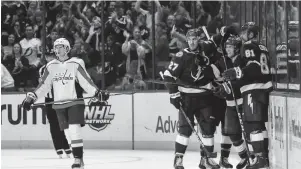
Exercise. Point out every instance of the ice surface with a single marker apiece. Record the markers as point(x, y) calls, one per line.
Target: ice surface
point(100, 159)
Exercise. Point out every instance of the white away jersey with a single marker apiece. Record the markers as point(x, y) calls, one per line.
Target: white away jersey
point(63, 77)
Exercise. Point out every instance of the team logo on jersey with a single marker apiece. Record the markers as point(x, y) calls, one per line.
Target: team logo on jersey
point(63, 77)
point(179, 54)
point(98, 116)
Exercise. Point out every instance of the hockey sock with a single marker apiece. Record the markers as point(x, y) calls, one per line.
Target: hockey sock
point(257, 142)
point(76, 140)
point(66, 131)
point(226, 145)
point(181, 144)
point(208, 141)
point(266, 141)
point(240, 147)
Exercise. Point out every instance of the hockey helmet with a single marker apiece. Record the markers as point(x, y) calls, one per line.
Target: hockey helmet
point(233, 40)
point(64, 42)
point(250, 27)
point(193, 32)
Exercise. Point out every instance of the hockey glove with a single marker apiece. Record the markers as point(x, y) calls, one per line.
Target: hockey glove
point(232, 74)
point(175, 99)
point(227, 30)
point(222, 90)
point(29, 100)
point(102, 95)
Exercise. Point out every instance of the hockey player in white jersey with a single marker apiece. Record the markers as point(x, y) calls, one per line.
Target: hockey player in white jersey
point(66, 75)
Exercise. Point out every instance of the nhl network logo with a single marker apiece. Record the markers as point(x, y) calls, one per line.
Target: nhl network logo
point(98, 116)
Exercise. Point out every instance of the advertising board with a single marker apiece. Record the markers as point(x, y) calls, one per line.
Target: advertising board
point(156, 123)
point(294, 134)
point(277, 132)
point(106, 127)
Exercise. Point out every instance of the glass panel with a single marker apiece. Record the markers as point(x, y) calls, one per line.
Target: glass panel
point(243, 13)
point(271, 38)
point(293, 45)
point(262, 23)
point(232, 12)
point(255, 14)
point(249, 10)
point(281, 42)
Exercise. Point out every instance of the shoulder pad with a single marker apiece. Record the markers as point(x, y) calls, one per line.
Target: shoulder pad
point(179, 54)
point(263, 47)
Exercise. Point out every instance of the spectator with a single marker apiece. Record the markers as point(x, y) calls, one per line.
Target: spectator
point(8, 50)
point(17, 31)
point(177, 9)
point(21, 68)
point(31, 46)
point(7, 81)
point(135, 49)
point(148, 13)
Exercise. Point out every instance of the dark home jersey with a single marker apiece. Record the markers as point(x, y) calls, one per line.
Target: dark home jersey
point(256, 68)
point(190, 69)
point(236, 84)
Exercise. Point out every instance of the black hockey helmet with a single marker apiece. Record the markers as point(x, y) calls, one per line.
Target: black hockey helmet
point(251, 27)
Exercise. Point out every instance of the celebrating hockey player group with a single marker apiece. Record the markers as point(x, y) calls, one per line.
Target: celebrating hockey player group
point(231, 65)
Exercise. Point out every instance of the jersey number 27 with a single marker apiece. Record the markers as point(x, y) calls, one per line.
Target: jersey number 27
point(173, 66)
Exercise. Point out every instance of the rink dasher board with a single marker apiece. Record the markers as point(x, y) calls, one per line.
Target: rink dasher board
point(285, 131)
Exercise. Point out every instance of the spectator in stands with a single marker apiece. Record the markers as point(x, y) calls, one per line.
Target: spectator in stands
point(8, 50)
point(31, 46)
point(21, 68)
point(7, 81)
point(17, 31)
point(135, 49)
point(148, 13)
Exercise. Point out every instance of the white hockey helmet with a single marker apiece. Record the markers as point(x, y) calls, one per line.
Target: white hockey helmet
point(64, 42)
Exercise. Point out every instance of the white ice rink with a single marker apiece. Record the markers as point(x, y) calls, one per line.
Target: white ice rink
point(100, 159)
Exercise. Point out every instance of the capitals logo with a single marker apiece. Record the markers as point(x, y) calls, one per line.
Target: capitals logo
point(98, 115)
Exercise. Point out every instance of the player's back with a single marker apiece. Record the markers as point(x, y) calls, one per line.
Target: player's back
point(256, 67)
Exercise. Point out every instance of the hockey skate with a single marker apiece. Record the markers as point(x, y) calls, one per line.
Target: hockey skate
point(224, 163)
point(178, 162)
point(68, 153)
point(242, 164)
point(78, 163)
point(259, 162)
point(207, 163)
point(60, 153)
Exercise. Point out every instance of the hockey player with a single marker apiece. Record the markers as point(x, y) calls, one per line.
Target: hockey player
point(63, 75)
point(255, 78)
point(59, 139)
point(191, 67)
point(231, 129)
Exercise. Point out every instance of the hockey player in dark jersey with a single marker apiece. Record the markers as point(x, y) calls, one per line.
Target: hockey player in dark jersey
point(230, 124)
point(255, 78)
point(192, 67)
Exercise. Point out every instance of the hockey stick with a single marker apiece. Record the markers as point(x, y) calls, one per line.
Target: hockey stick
point(237, 109)
point(71, 100)
point(165, 83)
point(209, 154)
